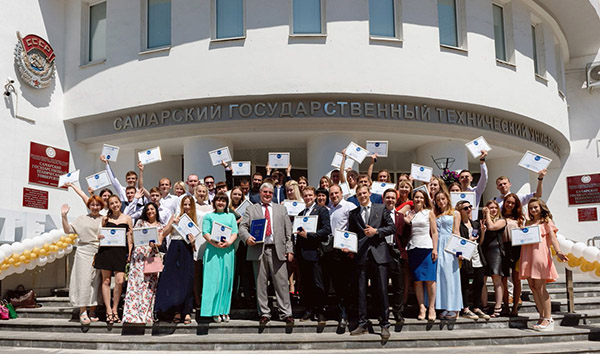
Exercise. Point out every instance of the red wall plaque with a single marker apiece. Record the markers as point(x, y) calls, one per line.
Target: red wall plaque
point(46, 164)
point(35, 198)
point(584, 189)
point(587, 214)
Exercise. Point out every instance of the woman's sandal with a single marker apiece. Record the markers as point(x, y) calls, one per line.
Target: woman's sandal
point(422, 313)
point(93, 317)
point(187, 320)
point(116, 318)
point(177, 318)
point(84, 319)
point(109, 318)
point(497, 312)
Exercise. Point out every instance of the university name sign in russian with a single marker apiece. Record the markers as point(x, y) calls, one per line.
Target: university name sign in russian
point(334, 109)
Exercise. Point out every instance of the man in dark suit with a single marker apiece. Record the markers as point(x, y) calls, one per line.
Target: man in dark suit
point(254, 195)
point(371, 222)
point(309, 251)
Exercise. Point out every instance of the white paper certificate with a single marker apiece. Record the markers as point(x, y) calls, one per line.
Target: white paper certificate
point(220, 155)
point(113, 237)
point(462, 245)
point(534, 162)
point(337, 161)
point(279, 159)
point(456, 197)
point(149, 156)
point(70, 177)
point(143, 235)
point(526, 236)
point(240, 168)
point(345, 189)
point(378, 147)
point(355, 152)
point(422, 188)
point(187, 226)
point(110, 152)
point(98, 180)
point(294, 207)
point(380, 187)
point(307, 222)
point(476, 146)
point(421, 173)
point(241, 209)
point(345, 239)
point(220, 232)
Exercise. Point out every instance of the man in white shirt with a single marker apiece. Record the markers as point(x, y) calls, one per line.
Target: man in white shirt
point(465, 178)
point(131, 178)
point(192, 181)
point(167, 200)
point(503, 185)
point(163, 212)
point(135, 202)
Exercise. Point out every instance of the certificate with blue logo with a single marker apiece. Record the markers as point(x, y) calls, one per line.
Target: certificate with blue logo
point(240, 168)
point(534, 162)
point(110, 152)
point(476, 146)
point(70, 177)
point(421, 173)
point(220, 232)
point(113, 237)
point(308, 223)
point(187, 226)
point(526, 236)
point(356, 152)
point(258, 229)
point(241, 209)
point(98, 181)
point(337, 161)
point(220, 155)
point(462, 246)
point(279, 159)
point(380, 187)
point(142, 236)
point(149, 155)
point(345, 239)
point(378, 147)
point(294, 207)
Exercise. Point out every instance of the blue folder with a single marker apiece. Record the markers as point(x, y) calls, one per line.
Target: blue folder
point(258, 229)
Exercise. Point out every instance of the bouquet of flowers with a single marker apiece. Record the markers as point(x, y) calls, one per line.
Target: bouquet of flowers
point(449, 176)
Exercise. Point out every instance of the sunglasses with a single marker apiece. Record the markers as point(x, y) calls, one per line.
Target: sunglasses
point(468, 207)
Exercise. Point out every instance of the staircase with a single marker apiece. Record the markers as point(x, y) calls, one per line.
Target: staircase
point(56, 325)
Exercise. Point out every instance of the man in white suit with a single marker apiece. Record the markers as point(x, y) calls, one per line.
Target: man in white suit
point(272, 254)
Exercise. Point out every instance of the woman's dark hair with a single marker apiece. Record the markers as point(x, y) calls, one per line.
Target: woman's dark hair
point(323, 191)
point(221, 196)
point(110, 212)
point(104, 191)
point(144, 215)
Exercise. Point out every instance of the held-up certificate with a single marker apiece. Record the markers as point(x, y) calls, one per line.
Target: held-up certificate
point(294, 207)
point(240, 168)
point(220, 232)
point(534, 162)
point(142, 236)
point(279, 159)
point(345, 239)
point(308, 223)
point(378, 147)
point(70, 177)
point(113, 237)
point(421, 173)
point(337, 161)
point(456, 197)
point(355, 152)
point(187, 226)
point(150, 155)
point(526, 236)
point(98, 180)
point(476, 146)
point(345, 189)
point(110, 152)
point(220, 155)
point(424, 189)
point(380, 187)
point(462, 245)
point(241, 209)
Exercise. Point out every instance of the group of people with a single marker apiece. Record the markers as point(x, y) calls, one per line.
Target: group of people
point(402, 237)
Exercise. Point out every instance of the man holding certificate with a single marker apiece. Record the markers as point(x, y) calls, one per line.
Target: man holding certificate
point(371, 222)
point(465, 178)
point(131, 178)
point(309, 252)
point(503, 185)
point(272, 254)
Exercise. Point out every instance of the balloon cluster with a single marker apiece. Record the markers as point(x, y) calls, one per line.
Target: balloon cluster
point(582, 258)
point(18, 257)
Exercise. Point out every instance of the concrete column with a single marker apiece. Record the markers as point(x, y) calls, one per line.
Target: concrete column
point(320, 150)
point(449, 148)
point(197, 160)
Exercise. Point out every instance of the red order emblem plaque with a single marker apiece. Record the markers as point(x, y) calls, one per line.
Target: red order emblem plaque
point(584, 189)
point(46, 164)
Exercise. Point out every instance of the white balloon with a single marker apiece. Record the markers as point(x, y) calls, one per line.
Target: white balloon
point(51, 257)
point(55, 235)
point(2, 256)
point(590, 253)
point(560, 237)
point(69, 249)
point(578, 248)
point(47, 238)
point(566, 245)
point(41, 261)
point(38, 242)
point(7, 249)
point(27, 244)
point(17, 248)
point(30, 265)
point(21, 269)
point(60, 254)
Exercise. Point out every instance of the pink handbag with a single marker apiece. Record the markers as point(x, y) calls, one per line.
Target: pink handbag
point(4, 312)
point(153, 264)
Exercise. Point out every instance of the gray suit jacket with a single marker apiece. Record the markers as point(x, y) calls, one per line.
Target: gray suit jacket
point(280, 226)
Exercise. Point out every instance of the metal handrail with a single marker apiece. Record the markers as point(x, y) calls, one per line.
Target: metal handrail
point(592, 241)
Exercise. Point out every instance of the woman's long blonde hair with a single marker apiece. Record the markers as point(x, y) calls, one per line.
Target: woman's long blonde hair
point(448, 210)
point(192, 213)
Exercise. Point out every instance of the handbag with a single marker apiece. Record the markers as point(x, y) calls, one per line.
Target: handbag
point(12, 314)
point(21, 297)
point(4, 315)
point(153, 264)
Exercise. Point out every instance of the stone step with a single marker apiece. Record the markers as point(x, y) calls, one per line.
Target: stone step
point(293, 340)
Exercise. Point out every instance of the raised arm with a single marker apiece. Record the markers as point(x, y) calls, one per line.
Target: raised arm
point(228, 175)
point(64, 210)
point(342, 167)
point(141, 176)
point(483, 177)
point(538, 190)
point(79, 192)
point(113, 180)
point(371, 165)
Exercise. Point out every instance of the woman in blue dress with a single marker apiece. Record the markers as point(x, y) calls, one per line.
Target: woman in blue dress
point(448, 296)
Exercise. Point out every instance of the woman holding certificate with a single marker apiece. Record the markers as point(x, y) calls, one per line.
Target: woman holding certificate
point(141, 287)
point(449, 294)
point(292, 191)
point(175, 291)
point(536, 261)
point(219, 262)
point(404, 189)
point(113, 259)
point(201, 194)
point(84, 284)
point(422, 252)
point(493, 250)
point(512, 212)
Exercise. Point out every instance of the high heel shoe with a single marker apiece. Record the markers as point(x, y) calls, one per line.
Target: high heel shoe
point(548, 327)
point(422, 313)
point(431, 315)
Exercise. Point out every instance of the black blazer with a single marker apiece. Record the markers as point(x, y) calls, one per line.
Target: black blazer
point(309, 248)
point(379, 219)
point(464, 233)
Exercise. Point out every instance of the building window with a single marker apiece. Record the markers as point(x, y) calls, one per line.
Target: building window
point(158, 24)
point(559, 68)
point(97, 32)
point(307, 17)
point(538, 52)
point(447, 22)
point(384, 18)
point(229, 15)
point(499, 37)
point(536, 64)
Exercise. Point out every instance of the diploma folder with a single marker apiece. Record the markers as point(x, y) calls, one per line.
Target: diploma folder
point(258, 230)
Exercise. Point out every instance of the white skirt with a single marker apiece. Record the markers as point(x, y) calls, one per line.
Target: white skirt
point(85, 280)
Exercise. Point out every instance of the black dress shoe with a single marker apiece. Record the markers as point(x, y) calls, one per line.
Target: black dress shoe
point(289, 320)
point(343, 322)
point(263, 320)
point(321, 319)
point(306, 317)
point(385, 334)
point(359, 330)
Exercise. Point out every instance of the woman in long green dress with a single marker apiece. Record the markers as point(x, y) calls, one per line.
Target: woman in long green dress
point(219, 262)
